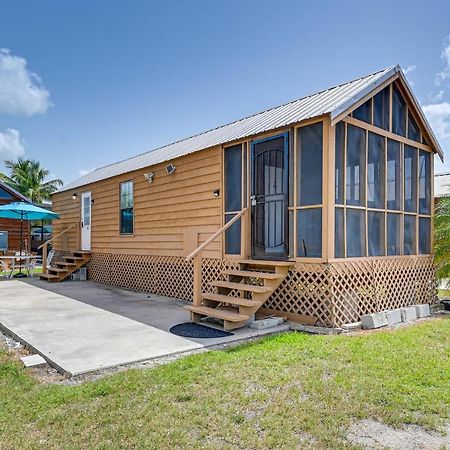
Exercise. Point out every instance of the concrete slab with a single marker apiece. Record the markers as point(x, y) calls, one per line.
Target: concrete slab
point(77, 337)
point(33, 361)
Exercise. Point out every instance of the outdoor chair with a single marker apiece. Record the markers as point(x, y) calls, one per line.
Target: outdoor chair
point(5, 269)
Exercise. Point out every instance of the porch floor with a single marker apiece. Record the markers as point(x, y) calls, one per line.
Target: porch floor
point(81, 327)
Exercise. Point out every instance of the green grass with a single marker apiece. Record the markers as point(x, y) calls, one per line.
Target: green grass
point(288, 391)
point(443, 293)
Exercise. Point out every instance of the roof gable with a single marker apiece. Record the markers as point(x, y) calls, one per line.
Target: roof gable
point(12, 192)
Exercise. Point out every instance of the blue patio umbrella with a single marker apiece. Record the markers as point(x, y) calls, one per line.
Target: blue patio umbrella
point(25, 211)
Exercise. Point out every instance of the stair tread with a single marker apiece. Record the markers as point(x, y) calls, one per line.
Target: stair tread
point(259, 262)
point(57, 269)
point(229, 299)
point(249, 273)
point(218, 313)
point(65, 263)
point(241, 286)
point(74, 257)
point(48, 275)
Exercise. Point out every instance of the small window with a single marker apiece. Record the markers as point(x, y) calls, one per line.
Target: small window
point(5, 194)
point(424, 235)
point(413, 128)
point(375, 231)
point(381, 109)
point(310, 171)
point(424, 183)
point(375, 171)
point(409, 241)
point(339, 251)
point(339, 163)
point(410, 181)
point(394, 185)
point(398, 112)
point(126, 207)
point(394, 244)
point(356, 166)
point(356, 233)
point(309, 233)
point(364, 112)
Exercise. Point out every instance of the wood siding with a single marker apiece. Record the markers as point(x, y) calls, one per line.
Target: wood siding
point(168, 213)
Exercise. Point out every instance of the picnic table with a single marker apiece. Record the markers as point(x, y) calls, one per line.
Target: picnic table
point(10, 263)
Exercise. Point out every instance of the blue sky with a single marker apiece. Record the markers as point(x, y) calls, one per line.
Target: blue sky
point(117, 78)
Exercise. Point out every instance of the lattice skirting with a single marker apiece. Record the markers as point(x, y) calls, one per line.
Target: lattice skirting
point(335, 293)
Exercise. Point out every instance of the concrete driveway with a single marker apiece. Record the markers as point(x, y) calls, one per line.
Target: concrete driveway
point(77, 337)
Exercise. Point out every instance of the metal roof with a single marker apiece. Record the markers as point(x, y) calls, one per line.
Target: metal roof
point(14, 192)
point(331, 101)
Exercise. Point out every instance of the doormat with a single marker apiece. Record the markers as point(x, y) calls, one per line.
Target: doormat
point(195, 330)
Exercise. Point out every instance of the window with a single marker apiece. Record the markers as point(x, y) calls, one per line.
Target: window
point(424, 183)
point(356, 165)
point(309, 232)
point(413, 128)
point(356, 233)
point(339, 163)
point(381, 109)
point(310, 164)
point(375, 233)
point(424, 235)
point(5, 194)
point(364, 112)
point(126, 207)
point(393, 234)
point(410, 179)
point(233, 197)
point(339, 250)
point(409, 241)
point(375, 171)
point(393, 189)
point(398, 112)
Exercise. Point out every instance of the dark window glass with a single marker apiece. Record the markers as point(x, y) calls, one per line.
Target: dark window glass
point(381, 109)
point(233, 236)
point(409, 241)
point(339, 251)
point(356, 164)
point(393, 175)
point(375, 171)
point(410, 184)
point(309, 233)
point(310, 164)
point(364, 112)
point(5, 194)
point(126, 207)
point(424, 183)
point(424, 235)
point(233, 178)
point(356, 233)
point(413, 128)
point(393, 234)
point(375, 231)
point(398, 112)
point(339, 163)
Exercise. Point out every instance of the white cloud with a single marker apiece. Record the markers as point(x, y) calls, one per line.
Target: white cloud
point(439, 117)
point(83, 172)
point(11, 144)
point(409, 69)
point(445, 56)
point(21, 91)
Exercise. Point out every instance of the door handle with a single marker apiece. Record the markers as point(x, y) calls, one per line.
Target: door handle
point(253, 200)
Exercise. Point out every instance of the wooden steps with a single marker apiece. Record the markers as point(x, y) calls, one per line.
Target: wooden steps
point(64, 268)
point(255, 280)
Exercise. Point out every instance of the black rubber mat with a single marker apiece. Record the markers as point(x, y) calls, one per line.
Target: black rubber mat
point(195, 330)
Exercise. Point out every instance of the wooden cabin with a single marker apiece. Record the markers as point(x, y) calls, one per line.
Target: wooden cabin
point(10, 228)
point(319, 210)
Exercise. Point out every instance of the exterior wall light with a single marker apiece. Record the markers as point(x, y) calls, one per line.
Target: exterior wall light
point(74, 195)
point(216, 193)
point(149, 177)
point(170, 169)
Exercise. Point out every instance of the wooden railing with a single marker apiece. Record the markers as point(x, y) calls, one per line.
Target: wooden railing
point(44, 246)
point(198, 260)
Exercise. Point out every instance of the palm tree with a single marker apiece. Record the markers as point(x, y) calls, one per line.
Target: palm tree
point(442, 237)
point(28, 177)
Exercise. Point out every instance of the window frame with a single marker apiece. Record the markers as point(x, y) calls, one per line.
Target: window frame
point(121, 209)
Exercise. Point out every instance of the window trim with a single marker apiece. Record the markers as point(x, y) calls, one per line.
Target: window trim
point(120, 209)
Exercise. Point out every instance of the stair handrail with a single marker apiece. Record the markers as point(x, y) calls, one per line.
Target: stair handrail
point(44, 246)
point(198, 260)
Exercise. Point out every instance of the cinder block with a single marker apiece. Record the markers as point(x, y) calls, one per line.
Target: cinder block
point(422, 310)
point(394, 317)
point(352, 326)
point(375, 320)
point(408, 314)
point(265, 323)
point(33, 361)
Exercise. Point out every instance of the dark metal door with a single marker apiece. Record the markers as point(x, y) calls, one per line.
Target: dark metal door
point(269, 201)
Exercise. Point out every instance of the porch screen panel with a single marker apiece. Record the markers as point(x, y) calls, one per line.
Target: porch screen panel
point(355, 166)
point(375, 171)
point(424, 235)
point(339, 249)
point(410, 178)
point(233, 197)
point(381, 109)
point(394, 244)
point(364, 112)
point(393, 185)
point(424, 182)
point(309, 170)
point(398, 112)
point(375, 230)
point(339, 163)
point(309, 232)
point(409, 232)
point(413, 128)
point(356, 233)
